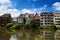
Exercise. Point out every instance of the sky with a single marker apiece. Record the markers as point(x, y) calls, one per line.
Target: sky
point(17, 7)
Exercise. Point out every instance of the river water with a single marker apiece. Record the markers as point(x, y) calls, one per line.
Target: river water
point(29, 34)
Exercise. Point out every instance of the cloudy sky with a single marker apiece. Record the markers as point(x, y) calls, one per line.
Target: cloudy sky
point(16, 7)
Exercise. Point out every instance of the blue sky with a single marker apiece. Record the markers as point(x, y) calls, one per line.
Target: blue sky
point(16, 7)
point(29, 4)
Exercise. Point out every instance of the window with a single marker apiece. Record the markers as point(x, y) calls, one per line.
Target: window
point(57, 18)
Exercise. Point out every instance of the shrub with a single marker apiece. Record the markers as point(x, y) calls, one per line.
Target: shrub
point(15, 26)
point(9, 25)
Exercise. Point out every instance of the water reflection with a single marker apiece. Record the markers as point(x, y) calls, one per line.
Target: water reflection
point(13, 37)
point(57, 35)
point(29, 34)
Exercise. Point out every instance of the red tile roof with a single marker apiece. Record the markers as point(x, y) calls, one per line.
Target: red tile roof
point(36, 16)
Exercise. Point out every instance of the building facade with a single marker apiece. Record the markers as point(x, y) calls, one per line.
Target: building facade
point(57, 19)
point(37, 19)
point(14, 20)
point(4, 19)
point(27, 16)
point(46, 18)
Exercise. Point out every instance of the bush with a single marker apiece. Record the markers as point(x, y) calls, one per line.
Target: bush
point(9, 25)
point(27, 25)
point(15, 26)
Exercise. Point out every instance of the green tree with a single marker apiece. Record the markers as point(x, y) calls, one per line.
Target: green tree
point(32, 23)
point(8, 25)
point(24, 20)
point(27, 25)
point(15, 26)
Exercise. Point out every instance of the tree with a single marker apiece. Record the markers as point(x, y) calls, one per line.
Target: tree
point(32, 23)
point(15, 26)
point(24, 20)
point(8, 25)
point(27, 25)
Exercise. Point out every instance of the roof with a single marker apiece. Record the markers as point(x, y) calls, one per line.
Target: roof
point(6, 15)
point(24, 15)
point(36, 16)
point(31, 15)
point(47, 13)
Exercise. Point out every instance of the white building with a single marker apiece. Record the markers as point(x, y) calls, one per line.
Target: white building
point(57, 19)
point(46, 19)
point(27, 16)
point(14, 19)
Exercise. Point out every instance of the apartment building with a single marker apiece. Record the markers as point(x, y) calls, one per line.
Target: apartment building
point(57, 19)
point(46, 18)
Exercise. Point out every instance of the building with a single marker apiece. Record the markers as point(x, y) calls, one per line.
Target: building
point(57, 19)
point(14, 20)
point(4, 19)
point(20, 21)
point(27, 16)
point(37, 19)
point(47, 18)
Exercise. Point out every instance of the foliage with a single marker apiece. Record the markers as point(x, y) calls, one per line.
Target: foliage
point(30, 24)
point(27, 24)
point(15, 26)
point(24, 20)
point(39, 37)
point(8, 25)
point(53, 27)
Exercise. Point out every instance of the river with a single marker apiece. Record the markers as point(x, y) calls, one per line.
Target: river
point(29, 34)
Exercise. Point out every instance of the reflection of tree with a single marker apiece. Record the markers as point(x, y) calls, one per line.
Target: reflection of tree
point(39, 37)
point(31, 34)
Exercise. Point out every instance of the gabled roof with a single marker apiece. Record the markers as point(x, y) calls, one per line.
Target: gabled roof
point(6, 15)
point(24, 15)
point(31, 15)
point(36, 16)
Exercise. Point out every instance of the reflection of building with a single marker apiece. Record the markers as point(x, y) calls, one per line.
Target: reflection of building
point(57, 35)
point(13, 37)
point(47, 35)
point(57, 19)
point(47, 18)
point(37, 19)
point(4, 19)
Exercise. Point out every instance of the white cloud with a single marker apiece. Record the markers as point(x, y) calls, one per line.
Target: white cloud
point(34, 0)
point(35, 10)
point(31, 0)
point(3, 1)
point(26, 11)
point(14, 12)
point(56, 5)
point(5, 6)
